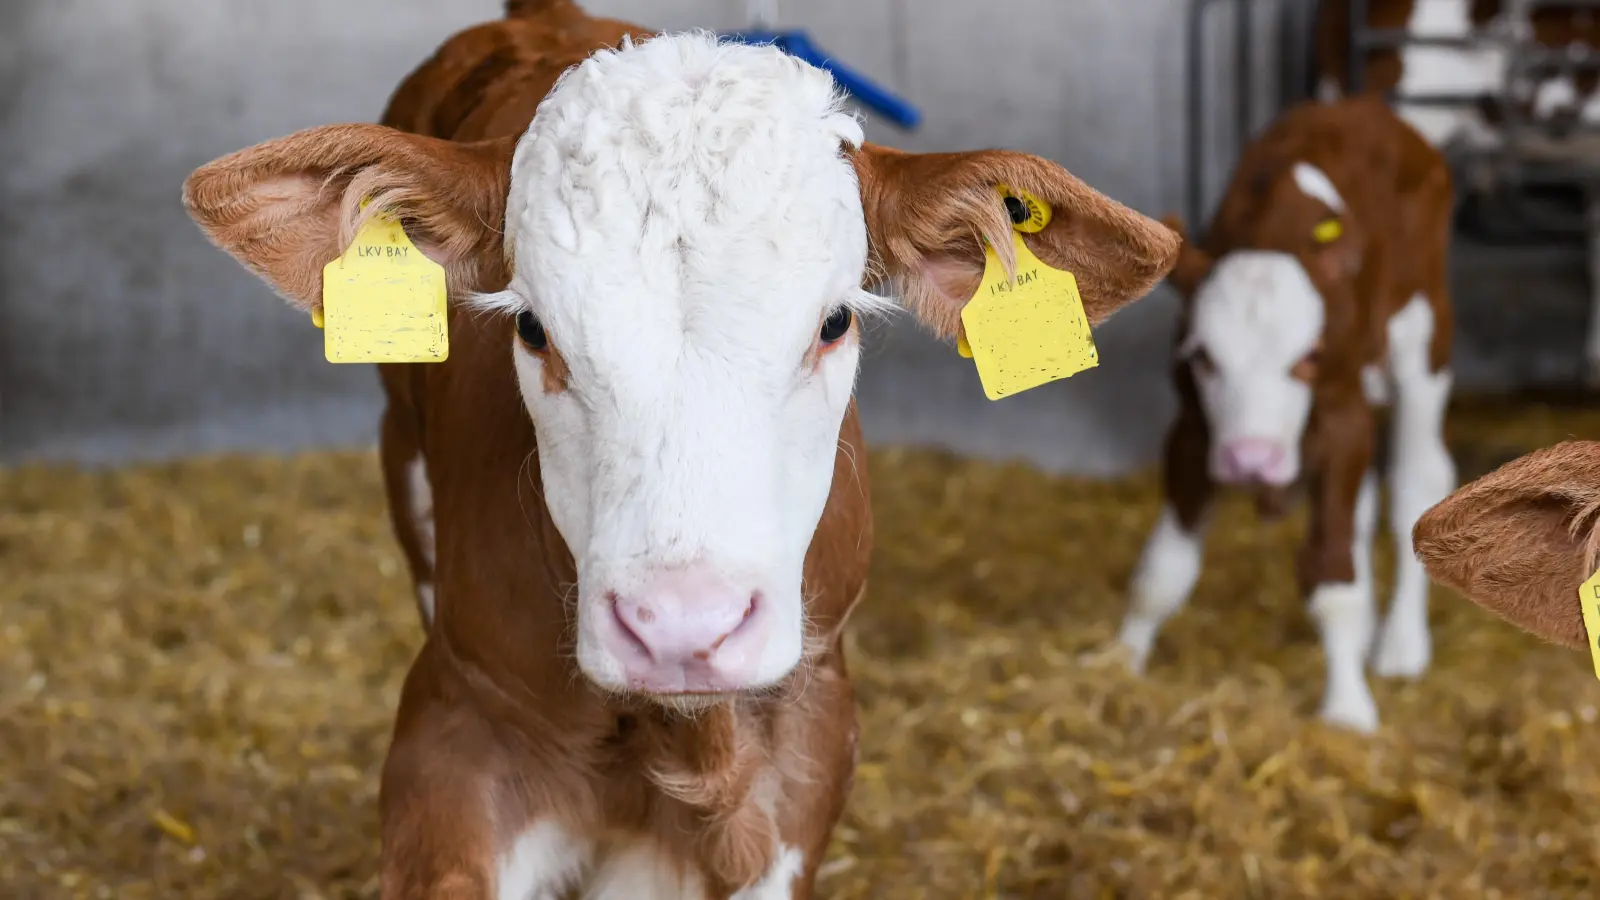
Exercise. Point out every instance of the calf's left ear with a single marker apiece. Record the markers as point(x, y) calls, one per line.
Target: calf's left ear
point(1520, 540)
point(928, 213)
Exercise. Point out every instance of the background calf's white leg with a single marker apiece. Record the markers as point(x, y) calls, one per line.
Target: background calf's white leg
point(1168, 568)
point(1421, 474)
point(1345, 617)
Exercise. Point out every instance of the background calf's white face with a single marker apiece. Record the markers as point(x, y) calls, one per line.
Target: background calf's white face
point(682, 222)
point(1253, 320)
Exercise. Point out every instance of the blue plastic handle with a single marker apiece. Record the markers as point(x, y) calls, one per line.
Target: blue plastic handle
point(869, 94)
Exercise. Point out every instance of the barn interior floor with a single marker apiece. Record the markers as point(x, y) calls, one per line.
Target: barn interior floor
point(199, 661)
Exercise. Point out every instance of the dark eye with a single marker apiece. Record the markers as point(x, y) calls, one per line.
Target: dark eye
point(838, 322)
point(531, 331)
point(1306, 368)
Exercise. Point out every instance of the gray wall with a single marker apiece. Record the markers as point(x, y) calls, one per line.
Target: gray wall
point(123, 334)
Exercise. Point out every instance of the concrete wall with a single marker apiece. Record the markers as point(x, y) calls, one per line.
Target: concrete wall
point(122, 333)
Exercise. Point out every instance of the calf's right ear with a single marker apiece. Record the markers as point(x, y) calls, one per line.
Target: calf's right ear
point(286, 208)
point(1522, 539)
point(1193, 264)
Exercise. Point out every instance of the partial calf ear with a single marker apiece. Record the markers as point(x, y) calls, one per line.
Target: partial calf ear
point(926, 213)
point(1522, 539)
point(288, 207)
point(1193, 263)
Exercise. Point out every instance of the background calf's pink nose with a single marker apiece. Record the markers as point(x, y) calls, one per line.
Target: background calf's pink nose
point(688, 629)
point(1250, 458)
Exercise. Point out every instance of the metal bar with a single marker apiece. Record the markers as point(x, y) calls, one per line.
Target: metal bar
point(1196, 111)
point(1355, 52)
point(1394, 38)
point(1243, 62)
point(1395, 98)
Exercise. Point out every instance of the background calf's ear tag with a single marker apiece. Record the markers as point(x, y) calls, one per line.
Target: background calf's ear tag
point(1589, 601)
point(1026, 331)
point(383, 301)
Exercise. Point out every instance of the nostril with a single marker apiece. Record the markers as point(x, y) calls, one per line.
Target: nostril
point(643, 614)
point(744, 619)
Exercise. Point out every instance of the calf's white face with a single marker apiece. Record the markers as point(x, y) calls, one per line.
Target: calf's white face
point(1255, 334)
point(687, 245)
point(1255, 325)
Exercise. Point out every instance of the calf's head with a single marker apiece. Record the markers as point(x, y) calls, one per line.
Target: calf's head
point(1522, 539)
point(687, 228)
point(1259, 316)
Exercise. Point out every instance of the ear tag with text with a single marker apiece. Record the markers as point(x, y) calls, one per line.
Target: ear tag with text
point(383, 301)
point(1029, 330)
point(1589, 600)
point(1327, 231)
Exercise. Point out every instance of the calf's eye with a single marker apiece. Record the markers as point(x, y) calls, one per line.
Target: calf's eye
point(1306, 368)
point(531, 331)
point(835, 326)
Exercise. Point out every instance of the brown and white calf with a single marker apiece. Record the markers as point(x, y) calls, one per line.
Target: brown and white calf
point(636, 490)
point(1318, 293)
point(1521, 540)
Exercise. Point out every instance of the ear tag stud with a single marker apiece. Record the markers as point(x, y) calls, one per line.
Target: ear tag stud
point(383, 301)
point(1327, 231)
point(1589, 600)
point(1029, 330)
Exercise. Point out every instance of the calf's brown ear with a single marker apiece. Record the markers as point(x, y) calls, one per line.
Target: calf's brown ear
point(928, 212)
point(1193, 264)
point(288, 207)
point(1522, 539)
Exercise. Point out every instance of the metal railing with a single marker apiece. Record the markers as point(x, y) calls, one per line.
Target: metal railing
point(1530, 152)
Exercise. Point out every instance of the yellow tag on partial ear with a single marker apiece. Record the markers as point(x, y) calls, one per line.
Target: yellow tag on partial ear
point(962, 347)
point(1327, 231)
point(1026, 331)
point(1589, 600)
point(383, 301)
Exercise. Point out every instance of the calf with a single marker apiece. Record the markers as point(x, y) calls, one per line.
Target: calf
point(635, 492)
point(1318, 293)
point(1522, 539)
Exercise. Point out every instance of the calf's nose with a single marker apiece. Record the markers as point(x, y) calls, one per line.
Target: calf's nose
point(1250, 459)
point(688, 631)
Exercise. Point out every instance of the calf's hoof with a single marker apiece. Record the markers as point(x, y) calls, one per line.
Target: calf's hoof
point(1401, 653)
point(1351, 711)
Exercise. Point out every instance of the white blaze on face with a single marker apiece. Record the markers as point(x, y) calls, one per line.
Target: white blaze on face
point(1253, 319)
point(682, 221)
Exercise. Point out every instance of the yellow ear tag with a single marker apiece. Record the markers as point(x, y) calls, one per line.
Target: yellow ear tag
point(1327, 231)
point(962, 347)
point(1589, 600)
point(1029, 330)
point(383, 301)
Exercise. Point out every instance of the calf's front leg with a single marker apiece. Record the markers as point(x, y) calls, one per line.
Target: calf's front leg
point(452, 819)
point(1335, 562)
point(1421, 474)
point(1169, 564)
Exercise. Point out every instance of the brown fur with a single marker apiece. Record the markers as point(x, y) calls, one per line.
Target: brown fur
point(1396, 234)
point(496, 727)
point(1520, 540)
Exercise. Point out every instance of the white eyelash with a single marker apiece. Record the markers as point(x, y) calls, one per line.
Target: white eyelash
point(497, 302)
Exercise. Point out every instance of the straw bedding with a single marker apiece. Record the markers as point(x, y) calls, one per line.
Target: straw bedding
point(199, 662)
